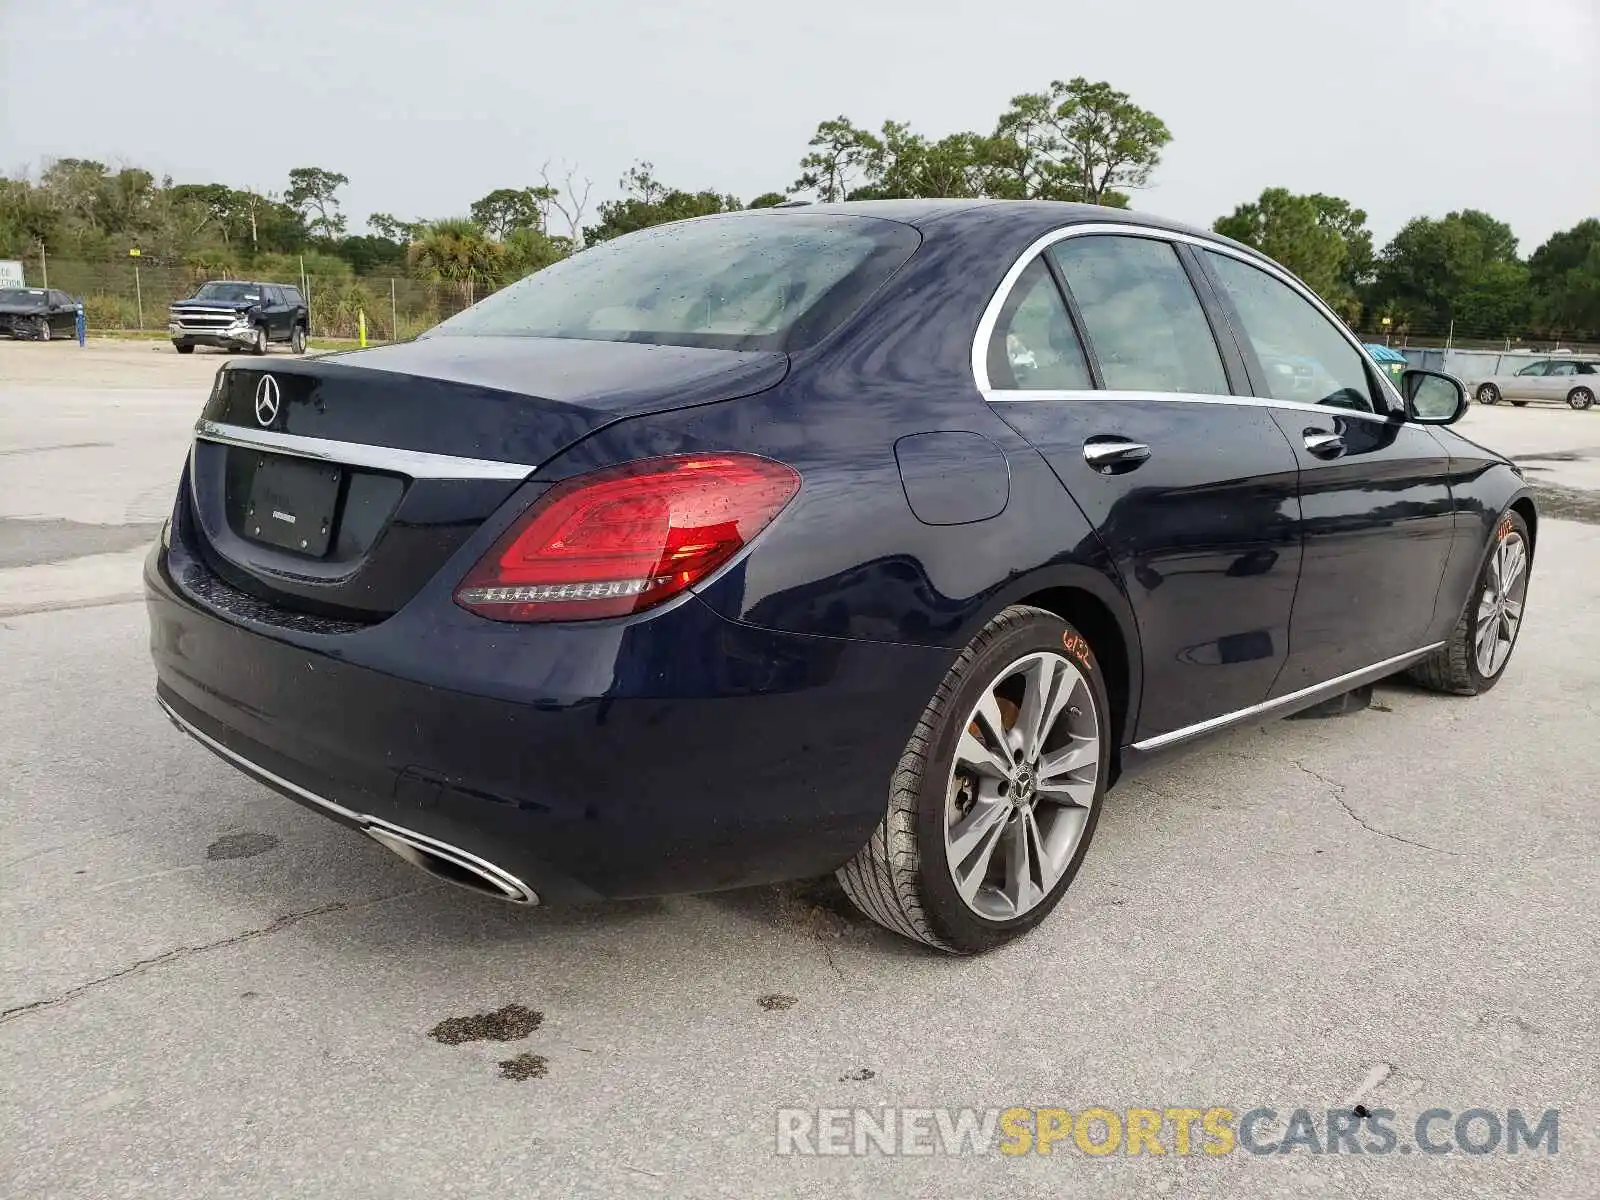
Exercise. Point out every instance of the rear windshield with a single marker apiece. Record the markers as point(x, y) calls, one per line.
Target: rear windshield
point(228, 291)
point(757, 281)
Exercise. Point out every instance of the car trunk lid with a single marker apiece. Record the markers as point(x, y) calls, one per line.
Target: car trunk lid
point(340, 485)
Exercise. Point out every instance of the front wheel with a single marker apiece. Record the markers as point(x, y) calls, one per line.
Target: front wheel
point(259, 346)
point(994, 802)
point(1488, 394)
point(297, 340)
point(44, 330)
point(183, 347)
point(1475, 656)
point(1580, 398)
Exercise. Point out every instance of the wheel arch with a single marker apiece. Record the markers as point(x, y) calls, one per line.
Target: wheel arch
point(1098, 609)
point(1524, 507)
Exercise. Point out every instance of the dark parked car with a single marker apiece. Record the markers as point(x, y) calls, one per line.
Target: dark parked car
point(879, 538)
point(38, 314)
point(240, 316)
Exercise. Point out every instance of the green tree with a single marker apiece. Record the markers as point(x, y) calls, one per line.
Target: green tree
point(1564, 276)
point(1431, 264)
point(395, 230)
point(313, 193)
point(529, 250)
point(840, 154)
point(1322, 239)
point(456, 251)
point(367, 253)
point(647, 201)
point(769, 200)
point(505, 210)
point(1078, 141)
point(1495, 301)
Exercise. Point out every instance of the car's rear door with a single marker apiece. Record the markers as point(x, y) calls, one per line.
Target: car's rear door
point(1190, 487)
point(1375, 502)
point(1557, 381)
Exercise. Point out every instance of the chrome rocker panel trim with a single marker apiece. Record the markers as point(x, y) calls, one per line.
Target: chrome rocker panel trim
point(1284, 705)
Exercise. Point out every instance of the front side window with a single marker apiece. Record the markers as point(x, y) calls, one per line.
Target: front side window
point(1141, 315)
point(1034, 346)
point(1303, 354)
point(745, 281)
point(1534, 369)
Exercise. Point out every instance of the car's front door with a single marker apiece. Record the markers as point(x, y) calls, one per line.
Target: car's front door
point(63, 316)
point(272, 297)
point(1525, 384)
point(1190, 487)
point(1375, 503)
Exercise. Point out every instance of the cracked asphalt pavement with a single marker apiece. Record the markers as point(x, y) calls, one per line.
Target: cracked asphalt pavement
point(206, 990)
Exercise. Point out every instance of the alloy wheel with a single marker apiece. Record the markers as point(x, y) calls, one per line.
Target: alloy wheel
point(1488, 394)
point(1580, 398)
point(1500, 607)
point(1022, 785)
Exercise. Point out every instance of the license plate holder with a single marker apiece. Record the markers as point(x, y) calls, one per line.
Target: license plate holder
point(291, 504)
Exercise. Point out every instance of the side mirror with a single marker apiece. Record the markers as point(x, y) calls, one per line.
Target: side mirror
point(1433, 398)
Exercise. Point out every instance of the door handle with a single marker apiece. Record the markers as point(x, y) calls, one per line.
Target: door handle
point(1109, 454)
point(1324, 444)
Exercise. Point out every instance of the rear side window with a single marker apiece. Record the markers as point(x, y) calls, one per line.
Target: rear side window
point(1141, 315)
point(747, 281)
point(1033, 346)
point(1302, 353)
point(1563, 368)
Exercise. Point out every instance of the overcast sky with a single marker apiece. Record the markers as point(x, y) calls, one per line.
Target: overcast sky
point(1404, 107)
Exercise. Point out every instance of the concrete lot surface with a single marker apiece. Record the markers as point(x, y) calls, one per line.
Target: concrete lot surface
point(206, 990)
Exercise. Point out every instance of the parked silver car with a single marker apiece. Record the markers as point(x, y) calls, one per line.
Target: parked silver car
point(1575, 380)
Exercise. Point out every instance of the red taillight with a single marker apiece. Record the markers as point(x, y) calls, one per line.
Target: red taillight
point(623, 539)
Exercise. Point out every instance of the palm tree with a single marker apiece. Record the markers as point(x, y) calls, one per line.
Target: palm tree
point(458, 252)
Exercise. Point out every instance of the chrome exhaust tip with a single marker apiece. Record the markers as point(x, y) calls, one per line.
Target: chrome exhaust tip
point(451, 864)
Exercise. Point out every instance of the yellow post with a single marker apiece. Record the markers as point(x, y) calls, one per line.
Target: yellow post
point(361, 322)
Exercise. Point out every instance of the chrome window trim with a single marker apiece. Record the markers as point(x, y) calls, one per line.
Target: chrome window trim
point(415, 463)
point(1025, 396)
point(1310, 695)
point(991, 314)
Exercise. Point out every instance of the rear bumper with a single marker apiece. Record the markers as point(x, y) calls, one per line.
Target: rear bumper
point(682, 752)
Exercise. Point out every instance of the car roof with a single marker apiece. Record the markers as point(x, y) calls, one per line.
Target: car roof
point(943, 217)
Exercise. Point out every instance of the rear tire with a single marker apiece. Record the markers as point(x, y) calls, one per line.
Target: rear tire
point(1519, 404)
point(1475, 657)
point(183, 347)
point(1488, 394)
point(1580, 398)
point(1015, 828)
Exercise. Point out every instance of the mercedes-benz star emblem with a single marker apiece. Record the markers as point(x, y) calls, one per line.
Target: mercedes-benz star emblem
point(267, 400)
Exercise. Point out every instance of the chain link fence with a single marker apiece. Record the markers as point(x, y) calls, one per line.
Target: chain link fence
point(128, 295)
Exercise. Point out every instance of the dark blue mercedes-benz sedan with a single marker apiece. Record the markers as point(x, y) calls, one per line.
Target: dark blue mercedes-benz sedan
point(875, 538)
